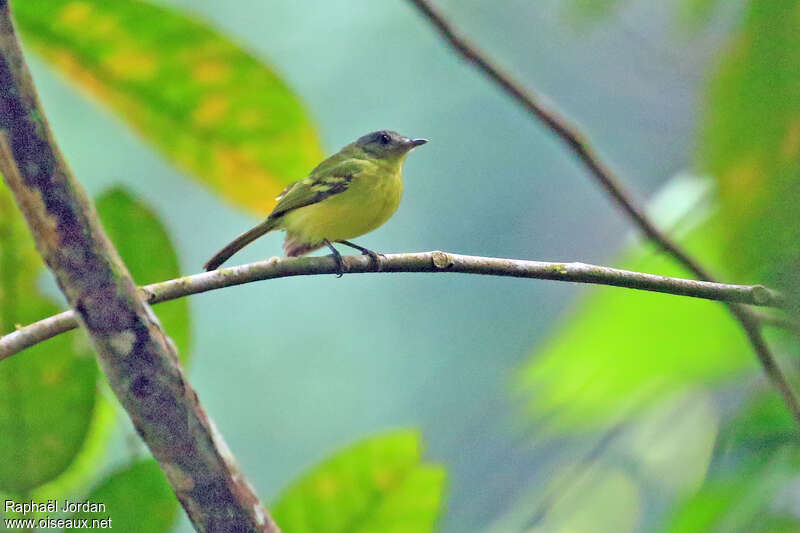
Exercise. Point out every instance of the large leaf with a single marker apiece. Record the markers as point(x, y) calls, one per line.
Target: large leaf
point(47, 393)
point(136, 498)
point(201, 99)
point(377, 485)
point(147, 251)
point(621, 348)
point(751, 143)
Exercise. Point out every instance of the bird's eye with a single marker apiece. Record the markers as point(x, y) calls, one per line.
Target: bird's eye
point(384, 139)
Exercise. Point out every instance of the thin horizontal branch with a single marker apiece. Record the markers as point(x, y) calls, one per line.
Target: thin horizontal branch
point(410, 262)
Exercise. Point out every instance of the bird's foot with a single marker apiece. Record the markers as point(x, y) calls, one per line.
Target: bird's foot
point(375, 256)
point(337, 257)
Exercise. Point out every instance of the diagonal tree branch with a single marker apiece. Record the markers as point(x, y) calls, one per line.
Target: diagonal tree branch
point(132, 348)
point(413, 262)
point(580, 147)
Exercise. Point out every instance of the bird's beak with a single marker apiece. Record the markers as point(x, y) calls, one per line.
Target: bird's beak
point(417, 142)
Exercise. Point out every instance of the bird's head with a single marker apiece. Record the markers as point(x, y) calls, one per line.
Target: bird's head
point(385, 144)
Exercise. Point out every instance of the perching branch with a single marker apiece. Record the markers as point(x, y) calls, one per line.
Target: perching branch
point(413, 262)
point(132, 348)
point(580, 147)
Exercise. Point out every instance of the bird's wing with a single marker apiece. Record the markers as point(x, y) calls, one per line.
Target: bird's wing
point(315, 188)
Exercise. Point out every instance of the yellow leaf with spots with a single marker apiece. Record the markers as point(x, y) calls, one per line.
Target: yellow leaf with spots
point(200, 99)
point(131, 65)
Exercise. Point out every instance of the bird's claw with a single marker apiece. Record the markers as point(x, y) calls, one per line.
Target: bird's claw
point(376, 257)
point(339, 265)
point(337, 258)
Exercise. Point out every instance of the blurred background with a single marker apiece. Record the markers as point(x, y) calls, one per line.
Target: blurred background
point(551, 406)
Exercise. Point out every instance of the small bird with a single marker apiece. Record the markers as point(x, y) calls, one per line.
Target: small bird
point(347, 195)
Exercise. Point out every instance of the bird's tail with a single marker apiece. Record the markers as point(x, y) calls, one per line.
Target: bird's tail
point(238, 243)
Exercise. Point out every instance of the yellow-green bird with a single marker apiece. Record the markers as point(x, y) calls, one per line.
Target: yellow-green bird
point(349, 194)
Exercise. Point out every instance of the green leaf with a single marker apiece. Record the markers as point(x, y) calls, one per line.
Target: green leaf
point(603, 499)
point(763, 424)
point(673, 442)
point(377, 485)
point(622, 349)
point(148, 252)
point(751, 143)
point(752, 484)
point(204, 102)
point(137, 498)
point(82, 472)
point(745, 500)
point(47, 393)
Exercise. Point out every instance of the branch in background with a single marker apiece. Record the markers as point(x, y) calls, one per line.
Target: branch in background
point(766, 319)
point(133, 350)
point(601, 173)
point(412, 262)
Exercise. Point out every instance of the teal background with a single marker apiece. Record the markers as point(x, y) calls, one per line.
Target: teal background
point(292, 369)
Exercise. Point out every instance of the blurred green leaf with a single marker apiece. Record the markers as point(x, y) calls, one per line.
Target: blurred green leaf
point(622, 349)
point(144, 245)
point(672, 443)
point(377, 485)
point(47, 393)
point(751, 143)
point(83, 470)
point(137, 498)
point(763, 424)
point(603, 499)
point(201, 99)
point(742, 500)
point(752, 485)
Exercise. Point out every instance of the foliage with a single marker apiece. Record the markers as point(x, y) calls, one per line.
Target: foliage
point(623, 349)
point(137, 498)
point(618, 353)
point(203, 101)
point(378, 484)
point(751, 143)
point(221, 114)
point(225, 117)
point(750, 488)
point(47, 397)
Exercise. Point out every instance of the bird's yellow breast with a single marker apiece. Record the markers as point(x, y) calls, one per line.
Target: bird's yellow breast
point(371, 199)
